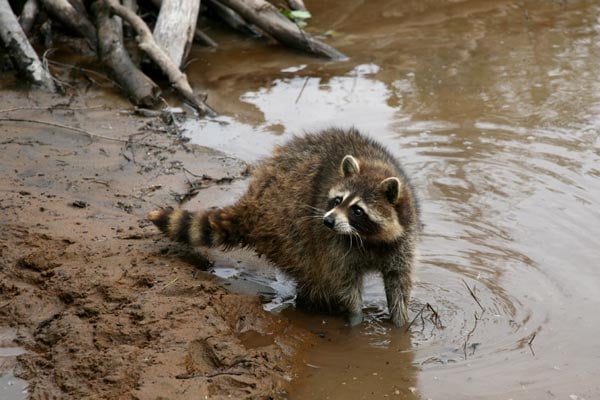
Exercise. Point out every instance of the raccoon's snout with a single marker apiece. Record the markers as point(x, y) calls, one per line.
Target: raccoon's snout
point(329, 221)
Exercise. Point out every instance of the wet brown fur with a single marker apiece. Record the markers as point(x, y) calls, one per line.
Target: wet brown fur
point(281, 217)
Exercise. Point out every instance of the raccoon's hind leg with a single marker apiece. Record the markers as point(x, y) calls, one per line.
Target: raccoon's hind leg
point(220, 227)
point(345, 298)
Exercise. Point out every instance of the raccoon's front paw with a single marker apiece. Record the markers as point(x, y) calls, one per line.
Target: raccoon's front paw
point(400, 318)
point(398, 322)
point(355, 318)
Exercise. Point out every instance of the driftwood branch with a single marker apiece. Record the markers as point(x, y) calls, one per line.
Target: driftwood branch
point(175, 27)
point(233, 19)
point(28, 15)
point(131, 4)
point(268, 18)
point(20, 49)
point(64, 12)
point(140, 89)
point(297, 5)
point(146, 42)
point(79, 7)
point(204, 39)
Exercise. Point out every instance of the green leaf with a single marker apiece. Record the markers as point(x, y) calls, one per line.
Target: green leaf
point(299, 14)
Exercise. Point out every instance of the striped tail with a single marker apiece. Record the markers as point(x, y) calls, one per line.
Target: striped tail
point(211, 228)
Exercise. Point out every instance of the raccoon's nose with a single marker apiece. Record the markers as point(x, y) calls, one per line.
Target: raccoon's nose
point(329, 221)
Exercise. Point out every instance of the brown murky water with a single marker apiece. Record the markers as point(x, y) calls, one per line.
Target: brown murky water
point(494, 108)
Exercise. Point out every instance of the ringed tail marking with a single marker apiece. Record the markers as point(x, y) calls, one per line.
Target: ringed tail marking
point(209, 228)
point(179, 225)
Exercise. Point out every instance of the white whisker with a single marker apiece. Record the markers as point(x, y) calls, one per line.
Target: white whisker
point(359, 239)
point(349, 249)
point(321, 210)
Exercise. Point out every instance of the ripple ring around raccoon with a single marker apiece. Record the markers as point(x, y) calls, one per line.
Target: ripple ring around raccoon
point(325, 208)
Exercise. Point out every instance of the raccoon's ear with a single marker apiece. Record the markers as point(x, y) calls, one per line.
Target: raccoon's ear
point(349, 166)
point(391, 189)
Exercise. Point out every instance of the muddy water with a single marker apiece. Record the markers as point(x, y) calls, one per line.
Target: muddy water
point(11, 388)
point(494, 109)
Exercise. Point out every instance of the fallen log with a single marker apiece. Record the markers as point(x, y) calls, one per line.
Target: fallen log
point(28, 15)
point(64, 12)
point(146, 42)
point(268, 18)
point(20, 50)
point(139, 88)
point(175, 27)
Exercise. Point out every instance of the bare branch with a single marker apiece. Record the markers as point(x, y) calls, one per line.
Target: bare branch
point(22, 53)
point(146, 42)
point(175, 27)
point(268, 18)
point(141, 89)
point(28, 15)
point(64, 12)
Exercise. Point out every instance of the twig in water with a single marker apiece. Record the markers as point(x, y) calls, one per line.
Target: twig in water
point(437, 321)
point(415, 318)
point(470, 333)
point(530, 342)
point(301, 90)
point(473, 295)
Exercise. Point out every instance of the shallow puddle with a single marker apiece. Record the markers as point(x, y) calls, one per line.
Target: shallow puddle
point(11, 388)
point(493, 109)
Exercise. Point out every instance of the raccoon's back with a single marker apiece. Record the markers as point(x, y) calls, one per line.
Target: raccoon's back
point(308, 164)
point(283, 205)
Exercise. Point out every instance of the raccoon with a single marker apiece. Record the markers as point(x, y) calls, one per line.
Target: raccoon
point(325, 208)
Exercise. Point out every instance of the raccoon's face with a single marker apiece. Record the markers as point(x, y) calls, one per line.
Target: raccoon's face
point(364, 205)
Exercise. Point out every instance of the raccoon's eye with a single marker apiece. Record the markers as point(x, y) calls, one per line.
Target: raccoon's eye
point(337, 201)
point(356, 210)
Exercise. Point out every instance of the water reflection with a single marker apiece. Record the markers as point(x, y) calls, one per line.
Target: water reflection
point(299, 103)
point(493, 108)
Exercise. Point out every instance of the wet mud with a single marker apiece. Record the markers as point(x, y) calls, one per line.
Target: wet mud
point(492, 107)
point(93, 302)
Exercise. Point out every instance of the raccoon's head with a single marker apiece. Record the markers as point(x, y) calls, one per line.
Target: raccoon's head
point(367, 202)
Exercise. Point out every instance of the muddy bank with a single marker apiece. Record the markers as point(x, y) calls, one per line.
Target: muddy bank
point(103, 306)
